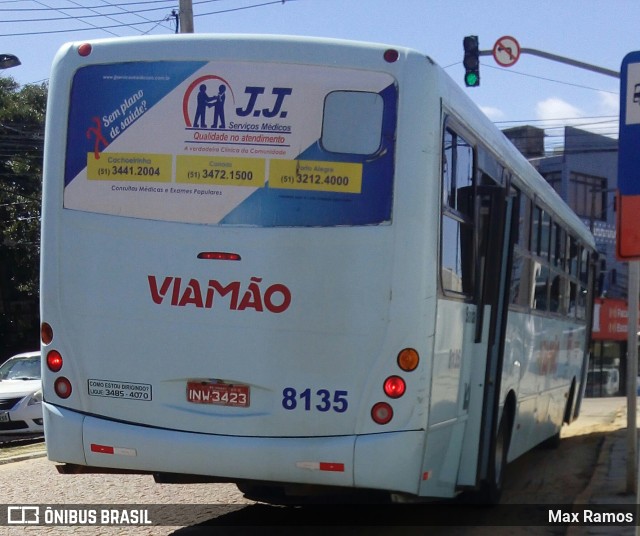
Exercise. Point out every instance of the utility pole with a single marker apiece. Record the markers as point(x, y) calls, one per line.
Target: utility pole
point(632, 372)
point(186, 16)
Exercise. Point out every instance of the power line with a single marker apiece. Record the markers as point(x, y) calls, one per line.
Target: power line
point(123, 11)
point(520, 73)
point(110, 17)
point(78, 19)
point(71, 30)
point(611, 118)
point(82, 17)
point(107, 28)
point(126, 4)
point(243, 8)
point(95, 9)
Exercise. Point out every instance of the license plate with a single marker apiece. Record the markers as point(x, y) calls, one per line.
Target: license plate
point(4, 416)
point(221, 394)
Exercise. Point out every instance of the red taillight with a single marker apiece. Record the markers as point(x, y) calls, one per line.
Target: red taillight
point(394, 387)
point(381, 413)
point(391, 55)
point(218, 256)
point(62, 387)
point(46, 333)
point(54, 361)
point(84, 49)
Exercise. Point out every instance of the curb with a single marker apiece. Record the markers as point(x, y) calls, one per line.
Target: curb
point(604, 454)
point(19, 454)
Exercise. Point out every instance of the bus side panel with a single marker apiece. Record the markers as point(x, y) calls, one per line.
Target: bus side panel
point(63, 433)
point(372, 467)
point(468, 471)
point(441, 460)
point(547, 369)
point(454, 359)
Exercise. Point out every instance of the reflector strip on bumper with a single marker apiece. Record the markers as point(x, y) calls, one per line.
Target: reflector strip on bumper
point(321, 466)
point(107, 449)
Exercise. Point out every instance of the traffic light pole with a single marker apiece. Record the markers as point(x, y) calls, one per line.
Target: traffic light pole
point(561, 59)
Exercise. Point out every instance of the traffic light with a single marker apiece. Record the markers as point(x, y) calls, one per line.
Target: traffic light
point(471, 61)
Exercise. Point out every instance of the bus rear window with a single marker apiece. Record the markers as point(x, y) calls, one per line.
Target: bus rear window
point(352, 122)
point(217, 143)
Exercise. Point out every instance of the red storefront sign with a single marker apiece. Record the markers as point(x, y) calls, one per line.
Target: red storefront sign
point(610, 320)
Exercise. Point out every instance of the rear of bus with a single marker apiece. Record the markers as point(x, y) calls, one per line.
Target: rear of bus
point(224, 279)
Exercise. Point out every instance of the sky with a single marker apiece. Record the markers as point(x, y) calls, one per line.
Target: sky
point(534, 91)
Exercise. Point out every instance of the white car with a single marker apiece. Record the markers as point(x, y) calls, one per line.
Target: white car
point(603, 382)
point(21, 395)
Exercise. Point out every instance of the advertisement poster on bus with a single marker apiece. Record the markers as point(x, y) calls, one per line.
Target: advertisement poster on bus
point(232, 143)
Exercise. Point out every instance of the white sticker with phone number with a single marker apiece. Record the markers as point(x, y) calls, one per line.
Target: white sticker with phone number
point(118, 389)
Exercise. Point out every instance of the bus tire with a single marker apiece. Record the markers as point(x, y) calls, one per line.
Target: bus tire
point(553, 442)
point(497, 463)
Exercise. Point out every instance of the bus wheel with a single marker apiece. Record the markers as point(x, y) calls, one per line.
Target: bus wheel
point(497, 464)
point(554, 441)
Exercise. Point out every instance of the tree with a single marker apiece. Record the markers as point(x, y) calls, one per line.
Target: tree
point(22, 117)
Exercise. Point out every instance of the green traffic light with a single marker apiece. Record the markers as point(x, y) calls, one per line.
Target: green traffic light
point(472, 79)
point(471, 61)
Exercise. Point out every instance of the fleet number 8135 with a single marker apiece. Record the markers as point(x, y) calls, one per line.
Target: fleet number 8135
point(321, 400)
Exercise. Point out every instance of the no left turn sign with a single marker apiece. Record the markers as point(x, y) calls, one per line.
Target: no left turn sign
point(506, 51)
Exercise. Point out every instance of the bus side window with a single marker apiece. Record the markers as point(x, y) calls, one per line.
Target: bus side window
point(521, 293)
point(559, 289)
point(541, 296)
point(457, 244)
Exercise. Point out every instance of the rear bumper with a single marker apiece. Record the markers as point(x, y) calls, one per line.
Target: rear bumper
point(345, 461)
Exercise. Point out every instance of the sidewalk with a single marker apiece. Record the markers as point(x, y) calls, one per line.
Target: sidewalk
point(608, 484)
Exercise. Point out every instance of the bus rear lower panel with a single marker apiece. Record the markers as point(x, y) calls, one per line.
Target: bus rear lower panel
point(340, 461)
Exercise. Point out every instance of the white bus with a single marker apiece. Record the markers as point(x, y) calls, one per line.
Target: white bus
point(298, 264)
